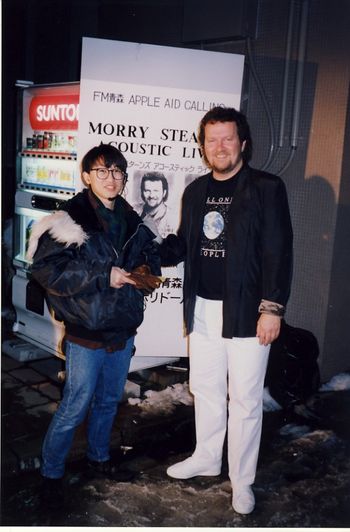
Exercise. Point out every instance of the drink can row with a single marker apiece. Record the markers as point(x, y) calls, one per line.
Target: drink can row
point(52, 142)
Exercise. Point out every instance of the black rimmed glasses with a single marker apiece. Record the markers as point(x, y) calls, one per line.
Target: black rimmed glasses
point(103, 173)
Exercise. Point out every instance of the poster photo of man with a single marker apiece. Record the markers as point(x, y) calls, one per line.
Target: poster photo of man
point(156, 202)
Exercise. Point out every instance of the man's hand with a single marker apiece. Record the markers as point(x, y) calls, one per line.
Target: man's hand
point(268, 328)
point(119, 277)
point(144, 280)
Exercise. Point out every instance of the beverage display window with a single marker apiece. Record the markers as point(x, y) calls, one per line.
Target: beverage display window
point(47, 142)
point(46, 167)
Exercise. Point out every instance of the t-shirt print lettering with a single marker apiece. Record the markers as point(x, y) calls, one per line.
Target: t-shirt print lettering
point(214, 227)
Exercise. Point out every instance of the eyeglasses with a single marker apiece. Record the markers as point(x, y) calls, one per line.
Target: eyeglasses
point(103, 173)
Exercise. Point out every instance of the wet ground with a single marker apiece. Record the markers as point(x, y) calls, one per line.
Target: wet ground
point(303, 475)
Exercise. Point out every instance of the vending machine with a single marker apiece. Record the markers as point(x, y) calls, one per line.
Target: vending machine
point(46, 172)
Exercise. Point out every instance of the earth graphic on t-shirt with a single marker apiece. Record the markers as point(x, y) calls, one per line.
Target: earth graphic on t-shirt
point(213, 225)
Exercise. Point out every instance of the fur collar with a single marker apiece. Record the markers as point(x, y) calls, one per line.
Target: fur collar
point(61, 228)
point(73, 223)
point(70, 225)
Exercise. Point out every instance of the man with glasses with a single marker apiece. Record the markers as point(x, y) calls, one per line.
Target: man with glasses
point(84, 256)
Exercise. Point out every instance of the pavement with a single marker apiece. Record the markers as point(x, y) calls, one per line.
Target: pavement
point(32, 389)
point(302, 479)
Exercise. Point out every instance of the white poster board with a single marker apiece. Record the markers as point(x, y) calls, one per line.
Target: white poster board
point(147, 101)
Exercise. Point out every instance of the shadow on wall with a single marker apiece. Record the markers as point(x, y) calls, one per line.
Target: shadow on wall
point(313, 205)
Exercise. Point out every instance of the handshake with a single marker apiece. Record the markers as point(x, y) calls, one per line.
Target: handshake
point(145, 280)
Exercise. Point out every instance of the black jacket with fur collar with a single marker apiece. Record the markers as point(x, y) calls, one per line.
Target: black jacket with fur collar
point(72, 259)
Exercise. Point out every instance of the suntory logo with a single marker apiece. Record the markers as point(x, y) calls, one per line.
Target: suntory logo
point(54, 112)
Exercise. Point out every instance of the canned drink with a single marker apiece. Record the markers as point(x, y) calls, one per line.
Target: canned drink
point(40, 142)
point(71, 143)
point(63, 143)
point(31, 171)
point(55, 143)
point(29, 143)
point(46, 140)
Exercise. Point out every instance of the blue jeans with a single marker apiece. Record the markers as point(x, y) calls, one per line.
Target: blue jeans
point(95, 381)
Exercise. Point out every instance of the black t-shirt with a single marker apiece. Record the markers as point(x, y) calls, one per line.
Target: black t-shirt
point(214, 237)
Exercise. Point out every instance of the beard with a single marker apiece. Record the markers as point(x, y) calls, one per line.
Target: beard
point(229, 168)
point(223, 170)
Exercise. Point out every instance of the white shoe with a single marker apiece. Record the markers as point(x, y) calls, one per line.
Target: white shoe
point(191, 467)
point(243, 500)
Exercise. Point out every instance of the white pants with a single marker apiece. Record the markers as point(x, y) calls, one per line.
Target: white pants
point(222, 370)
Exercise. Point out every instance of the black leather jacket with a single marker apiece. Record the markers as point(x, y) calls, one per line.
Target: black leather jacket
point(72, 260)
point(259, 249)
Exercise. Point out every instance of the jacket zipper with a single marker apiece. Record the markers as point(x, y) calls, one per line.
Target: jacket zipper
point(127, 242)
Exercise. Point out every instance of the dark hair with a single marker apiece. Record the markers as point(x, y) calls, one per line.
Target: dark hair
point(108, 154)
point(155, 176)
point(228, 114)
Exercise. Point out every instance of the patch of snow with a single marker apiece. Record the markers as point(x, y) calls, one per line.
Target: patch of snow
point(338, 382)
point(293, 430)
point(269, 404)
point(319, 438)
point(134, 401)
point(165, 401)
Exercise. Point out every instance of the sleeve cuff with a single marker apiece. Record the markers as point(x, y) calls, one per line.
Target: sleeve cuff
point(269, 307)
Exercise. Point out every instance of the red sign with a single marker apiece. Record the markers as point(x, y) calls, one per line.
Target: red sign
point(56, 112)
